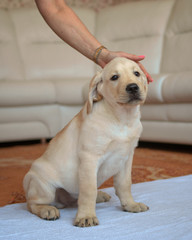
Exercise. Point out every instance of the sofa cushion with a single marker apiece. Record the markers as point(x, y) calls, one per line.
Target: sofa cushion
point(167, 132)
point(29, 122)
point(10, 61)
point(132, 27)
point(178, 88)
point(155, 89)
point(170, 88)
point(22, 93)
point(44, 55)
point(174, 112)
point(71, 91)
point(178, 38)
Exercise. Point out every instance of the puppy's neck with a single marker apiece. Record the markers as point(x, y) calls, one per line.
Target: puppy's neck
point(125, 114)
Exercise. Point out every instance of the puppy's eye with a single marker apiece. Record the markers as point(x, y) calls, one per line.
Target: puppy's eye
point(114, 77)
point(137, 74)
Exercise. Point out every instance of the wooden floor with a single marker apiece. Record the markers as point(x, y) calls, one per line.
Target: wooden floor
point(151, 162)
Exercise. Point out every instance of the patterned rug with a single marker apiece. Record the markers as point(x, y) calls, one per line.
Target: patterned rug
point(151, 162)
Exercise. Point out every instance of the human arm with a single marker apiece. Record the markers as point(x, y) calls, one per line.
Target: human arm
point(66, 24)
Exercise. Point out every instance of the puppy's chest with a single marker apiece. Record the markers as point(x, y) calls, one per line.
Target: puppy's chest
point(122, 137)
point(114, 159)
point(117, 150)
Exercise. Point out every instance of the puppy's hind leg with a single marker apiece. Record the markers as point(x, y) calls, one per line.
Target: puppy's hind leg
point(102, 197)
point(39, 196)
point(45, 212)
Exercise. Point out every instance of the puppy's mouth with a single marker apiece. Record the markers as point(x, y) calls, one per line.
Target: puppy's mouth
point(132, 99)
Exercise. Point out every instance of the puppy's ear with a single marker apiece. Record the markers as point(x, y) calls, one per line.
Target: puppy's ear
point(94, 95)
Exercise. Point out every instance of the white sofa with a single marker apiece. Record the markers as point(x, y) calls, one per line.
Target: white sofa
point(43, 82)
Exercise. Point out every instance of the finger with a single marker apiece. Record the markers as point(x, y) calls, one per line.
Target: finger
point(133, 57)
point(149, 78)
point(141, 57)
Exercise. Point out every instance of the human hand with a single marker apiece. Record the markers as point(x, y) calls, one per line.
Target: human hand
point(106, 56)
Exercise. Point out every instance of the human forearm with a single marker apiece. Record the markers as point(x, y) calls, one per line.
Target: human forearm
point(65, 23)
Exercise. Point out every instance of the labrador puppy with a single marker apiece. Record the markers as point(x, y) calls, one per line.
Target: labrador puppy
point(97, 143)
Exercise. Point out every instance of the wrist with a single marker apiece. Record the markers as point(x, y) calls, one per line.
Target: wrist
point(97, 53)
point(103, 57)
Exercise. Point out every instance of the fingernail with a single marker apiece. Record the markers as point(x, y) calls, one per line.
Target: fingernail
point(149, 78)
point(142, 56)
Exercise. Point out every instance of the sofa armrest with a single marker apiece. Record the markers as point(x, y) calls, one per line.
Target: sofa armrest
point(170, 88)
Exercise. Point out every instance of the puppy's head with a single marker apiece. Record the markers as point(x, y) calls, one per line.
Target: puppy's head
point(121, 82)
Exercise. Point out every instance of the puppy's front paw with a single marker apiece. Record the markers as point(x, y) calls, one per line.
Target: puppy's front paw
point(135, 207)
point(86, 222)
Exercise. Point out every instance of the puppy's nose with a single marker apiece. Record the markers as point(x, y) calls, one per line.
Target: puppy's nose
point(132, 88)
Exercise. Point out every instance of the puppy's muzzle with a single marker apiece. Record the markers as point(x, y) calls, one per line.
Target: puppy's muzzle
point(134, 92)
point(132, 88)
